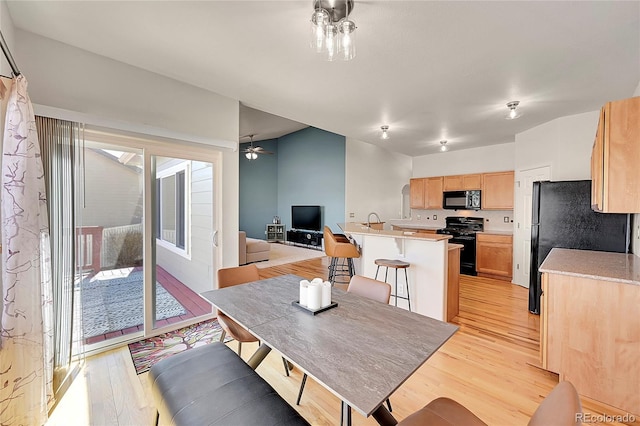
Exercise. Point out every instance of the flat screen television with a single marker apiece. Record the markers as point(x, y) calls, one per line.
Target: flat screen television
point(308, 218)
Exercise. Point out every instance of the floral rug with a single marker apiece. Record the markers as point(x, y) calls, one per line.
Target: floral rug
point(147, 352)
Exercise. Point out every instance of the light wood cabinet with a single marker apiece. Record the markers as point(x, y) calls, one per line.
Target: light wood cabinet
point(590, 335)
point(615, 173)
point(497, 191)
point(433, 193)
point(494, 255)
point(416, 193)
point(462, 182)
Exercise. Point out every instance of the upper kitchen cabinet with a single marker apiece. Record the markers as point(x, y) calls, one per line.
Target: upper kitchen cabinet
point(497, 191)
point(416, 193)
point(462, 182)
point(615, 173)
point(433, 193)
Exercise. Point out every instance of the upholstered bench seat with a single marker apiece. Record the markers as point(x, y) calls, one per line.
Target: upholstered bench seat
point(211, 385)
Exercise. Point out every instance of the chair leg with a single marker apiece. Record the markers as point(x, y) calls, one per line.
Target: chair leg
point(286, 366)
point(223, 335)
point(157, 418)
point(377, 270)
point(304, 380)
point(406, 281)
point(239, 348)
point(396, 286)
point(389, 405)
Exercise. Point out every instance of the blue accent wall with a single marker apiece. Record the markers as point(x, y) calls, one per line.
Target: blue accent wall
point(307, 168)
point(258, 189)
point(311, 171)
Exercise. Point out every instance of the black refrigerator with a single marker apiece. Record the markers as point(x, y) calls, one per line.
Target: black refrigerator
point(562, 217)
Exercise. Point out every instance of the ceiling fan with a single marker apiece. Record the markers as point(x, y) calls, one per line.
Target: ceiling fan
point(252, 152)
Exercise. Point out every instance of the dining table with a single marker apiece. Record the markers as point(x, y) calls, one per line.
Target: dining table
point(361, 350)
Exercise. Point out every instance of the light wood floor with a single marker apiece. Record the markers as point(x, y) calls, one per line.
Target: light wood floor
point(489, 366)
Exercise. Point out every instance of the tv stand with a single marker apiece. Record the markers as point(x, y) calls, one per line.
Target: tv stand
point(307, 238)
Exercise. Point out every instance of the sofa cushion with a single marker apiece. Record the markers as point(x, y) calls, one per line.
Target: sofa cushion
point(255, 246)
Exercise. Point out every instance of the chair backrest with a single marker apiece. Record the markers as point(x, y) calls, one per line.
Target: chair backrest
point(561, 407)
point(369, 288)
point(329, 241)
point(228, 277)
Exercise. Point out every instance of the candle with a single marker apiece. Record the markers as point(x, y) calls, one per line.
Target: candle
point(304, 290)
point(314, 296)
point(326, 293)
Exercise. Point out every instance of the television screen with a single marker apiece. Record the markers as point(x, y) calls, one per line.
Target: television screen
point(308, 218)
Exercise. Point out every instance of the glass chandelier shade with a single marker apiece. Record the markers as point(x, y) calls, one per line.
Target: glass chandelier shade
point(332, 32)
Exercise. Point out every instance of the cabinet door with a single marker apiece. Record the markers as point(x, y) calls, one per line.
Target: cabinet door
point(597, 165)
point(416, 191)
point(494, 255)
point(621, 174)
point(453, 183)
point(472, 181)
point(497, 191)
point(433, 193)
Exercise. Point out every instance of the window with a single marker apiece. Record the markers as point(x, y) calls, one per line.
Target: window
point(172, 182)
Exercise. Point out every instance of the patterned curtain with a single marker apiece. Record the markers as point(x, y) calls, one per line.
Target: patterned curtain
point(26, 332)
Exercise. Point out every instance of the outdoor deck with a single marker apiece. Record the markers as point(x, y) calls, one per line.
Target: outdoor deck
point(193, 304)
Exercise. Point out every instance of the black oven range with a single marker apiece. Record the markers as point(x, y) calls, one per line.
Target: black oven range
point(463, 230)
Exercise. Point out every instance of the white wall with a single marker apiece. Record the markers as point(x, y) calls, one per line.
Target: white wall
point(564, 144)
point(63, 76)
point(374, 180)
point(635, 247)
point(494, 158)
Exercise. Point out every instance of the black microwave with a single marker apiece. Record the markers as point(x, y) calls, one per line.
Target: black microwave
point(461, 200)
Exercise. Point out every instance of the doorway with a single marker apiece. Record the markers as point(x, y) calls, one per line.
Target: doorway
point(523, 210)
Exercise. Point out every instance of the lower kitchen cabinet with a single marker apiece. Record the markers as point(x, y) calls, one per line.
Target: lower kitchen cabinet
point(494, 255)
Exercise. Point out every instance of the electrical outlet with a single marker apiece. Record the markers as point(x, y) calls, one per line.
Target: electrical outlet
point(418, 217)
point(435, 217)
point(506, 219)
point(352, 215)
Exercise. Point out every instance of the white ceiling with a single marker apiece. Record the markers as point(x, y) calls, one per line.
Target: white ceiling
point(429, 70)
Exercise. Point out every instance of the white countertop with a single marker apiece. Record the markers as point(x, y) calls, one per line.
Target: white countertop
point(496, 232)
point(357, 228)
point(598, 265)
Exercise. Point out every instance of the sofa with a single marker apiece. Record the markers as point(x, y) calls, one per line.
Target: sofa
point(252, 249)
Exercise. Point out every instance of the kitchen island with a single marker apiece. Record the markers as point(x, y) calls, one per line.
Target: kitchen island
point(589, 324)
point(427, 254)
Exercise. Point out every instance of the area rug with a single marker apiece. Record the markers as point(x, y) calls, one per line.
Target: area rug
point(112, 300)
point(147, 352)
point(281, 254)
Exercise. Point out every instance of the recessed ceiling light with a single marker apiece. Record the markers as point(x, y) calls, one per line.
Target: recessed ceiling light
point(513, 111)
point(443, 146)
point(385, 130)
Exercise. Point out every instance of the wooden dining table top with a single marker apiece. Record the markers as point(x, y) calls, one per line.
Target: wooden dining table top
point(361, 351)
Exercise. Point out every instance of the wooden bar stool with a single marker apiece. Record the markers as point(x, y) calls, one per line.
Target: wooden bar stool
point(338, 247)
point(395, 264)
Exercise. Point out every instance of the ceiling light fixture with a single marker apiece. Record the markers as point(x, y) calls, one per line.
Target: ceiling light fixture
point(443, 146)
point(385, 130)
point(513, 111)
point(332, 32)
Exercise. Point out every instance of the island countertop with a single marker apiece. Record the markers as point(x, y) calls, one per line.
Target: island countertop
point(414, 224)
point(598, 265)
point(359, 229)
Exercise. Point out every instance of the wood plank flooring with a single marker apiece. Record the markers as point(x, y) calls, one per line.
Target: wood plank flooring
point(490, 366)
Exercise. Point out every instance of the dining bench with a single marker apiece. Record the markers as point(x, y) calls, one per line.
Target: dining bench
point(212, 385)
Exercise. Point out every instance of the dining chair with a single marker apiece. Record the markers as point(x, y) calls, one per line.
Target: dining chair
point(371, 289)
point(228, 277)
point(560, 408)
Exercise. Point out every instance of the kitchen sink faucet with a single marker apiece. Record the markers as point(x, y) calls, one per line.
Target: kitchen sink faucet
point(369, 218)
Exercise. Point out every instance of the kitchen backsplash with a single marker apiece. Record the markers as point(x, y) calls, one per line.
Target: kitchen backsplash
point(494, 220)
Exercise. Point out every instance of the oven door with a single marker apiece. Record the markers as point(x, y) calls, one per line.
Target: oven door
point(468, 254)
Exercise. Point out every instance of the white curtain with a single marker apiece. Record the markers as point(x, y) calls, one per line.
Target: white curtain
point(26, 334)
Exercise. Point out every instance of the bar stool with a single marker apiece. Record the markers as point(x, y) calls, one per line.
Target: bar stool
point(338, 247)
point(395, 264)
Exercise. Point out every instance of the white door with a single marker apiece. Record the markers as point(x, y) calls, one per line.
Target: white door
point(522, 237)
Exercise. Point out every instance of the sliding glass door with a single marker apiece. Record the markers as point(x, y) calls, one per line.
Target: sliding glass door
point(144, 238)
